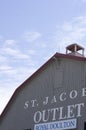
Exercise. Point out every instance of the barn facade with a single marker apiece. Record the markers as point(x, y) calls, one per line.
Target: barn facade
point(53, 98)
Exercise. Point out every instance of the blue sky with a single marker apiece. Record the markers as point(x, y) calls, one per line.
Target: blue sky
point(31, 31)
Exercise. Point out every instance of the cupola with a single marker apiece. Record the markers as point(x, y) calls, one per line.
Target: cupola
point(75, 49)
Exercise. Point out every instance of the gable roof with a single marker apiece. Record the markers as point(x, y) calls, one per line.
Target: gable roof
point(56, 55)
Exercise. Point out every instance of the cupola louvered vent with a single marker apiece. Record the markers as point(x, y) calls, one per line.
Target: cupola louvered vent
point(75, 49)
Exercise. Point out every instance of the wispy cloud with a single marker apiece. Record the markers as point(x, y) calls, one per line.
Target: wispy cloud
point(10, 48)
point(10, 43)
point(15, 53)
point(4, 67)
point(31, 36)
point(71, 32)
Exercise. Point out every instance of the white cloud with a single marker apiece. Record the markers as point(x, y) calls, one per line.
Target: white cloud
point(7, 71)
point(31, 36)
point(4, 67)
point(71, 32)
point(10, 42)
point(15, 53)
point(10, 48)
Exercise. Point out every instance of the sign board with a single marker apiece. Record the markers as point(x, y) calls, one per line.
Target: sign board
point(58, 125)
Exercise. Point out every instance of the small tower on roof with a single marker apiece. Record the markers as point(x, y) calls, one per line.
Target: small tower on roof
point(75, 49)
